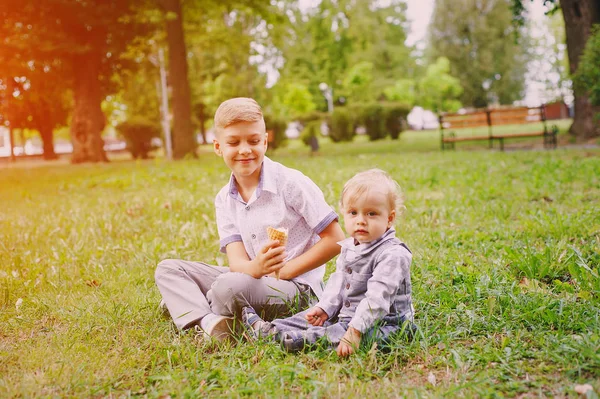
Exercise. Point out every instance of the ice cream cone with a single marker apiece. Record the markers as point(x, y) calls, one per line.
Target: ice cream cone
point(281, 235)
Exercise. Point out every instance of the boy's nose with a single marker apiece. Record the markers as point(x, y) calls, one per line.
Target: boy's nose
point(244, 150)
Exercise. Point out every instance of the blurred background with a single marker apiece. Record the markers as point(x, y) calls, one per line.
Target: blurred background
point(90, 77)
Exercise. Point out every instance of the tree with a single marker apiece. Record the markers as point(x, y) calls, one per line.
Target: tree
point(579, 16)
point(356, 47)
point(37, 103)
point(438, 90)
point(86, 38)
point(549, 66)
point(184, 141)
point(477, 37)
point(403, 91)
point(587, 79)
point(358, 82)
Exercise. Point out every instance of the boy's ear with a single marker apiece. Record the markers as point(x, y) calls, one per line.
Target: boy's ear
point(391, 218)
point(217, 147)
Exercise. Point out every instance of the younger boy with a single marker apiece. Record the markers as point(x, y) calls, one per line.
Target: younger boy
point(260, 193)
point(370, 291)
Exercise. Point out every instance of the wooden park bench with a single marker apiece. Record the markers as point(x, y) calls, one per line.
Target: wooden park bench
point(491, 118)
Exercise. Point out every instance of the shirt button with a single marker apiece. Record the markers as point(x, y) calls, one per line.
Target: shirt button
point(349, 270)
point(347, 286)
point(247, 208)
point(253, 235)
point(347, 304)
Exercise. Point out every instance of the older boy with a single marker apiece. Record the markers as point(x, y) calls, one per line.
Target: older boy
point(260, 193)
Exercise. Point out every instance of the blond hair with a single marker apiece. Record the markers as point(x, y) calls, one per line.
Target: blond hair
point(236, 110)
point(362, 182)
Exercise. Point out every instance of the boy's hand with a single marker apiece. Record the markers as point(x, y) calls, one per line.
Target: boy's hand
point(270, 259)
point(316, 316)
point(349, 343)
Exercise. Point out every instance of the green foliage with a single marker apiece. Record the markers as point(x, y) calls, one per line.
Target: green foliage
point(291, 100)
point(276, 127)
point(438, 90)
point(222, 46)
point(331, 43)
point(358, 82)
point(587, 77)
point(478, 40)
point(341, 127)
point(403, 91)
point(138, 132)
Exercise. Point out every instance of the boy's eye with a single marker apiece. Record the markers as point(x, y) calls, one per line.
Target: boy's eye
point(372, 213)
point(353, 213)
point(233, 143)
point(254, 142)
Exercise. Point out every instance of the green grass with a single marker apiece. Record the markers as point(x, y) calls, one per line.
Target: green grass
point(505, 276)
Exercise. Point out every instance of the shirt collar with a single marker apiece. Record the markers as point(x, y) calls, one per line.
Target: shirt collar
point(360, 249)
point(266, 181)
point(268, 177)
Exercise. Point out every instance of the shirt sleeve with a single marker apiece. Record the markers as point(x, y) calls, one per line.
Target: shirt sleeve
point(226, 226)
point(331, 300)
point(391, 269)
point(307, 199)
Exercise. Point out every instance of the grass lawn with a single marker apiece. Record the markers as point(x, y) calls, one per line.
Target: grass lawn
point(505, 276)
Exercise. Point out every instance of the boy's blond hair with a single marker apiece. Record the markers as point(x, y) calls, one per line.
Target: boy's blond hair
point(362, 182)
point(235, 110)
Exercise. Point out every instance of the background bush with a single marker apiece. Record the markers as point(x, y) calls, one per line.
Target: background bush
point(395, 115)
point(138, 133)
point(276, 127)
point(311, 125)
point(341, 126)
point(374, 121)
point(311, 129)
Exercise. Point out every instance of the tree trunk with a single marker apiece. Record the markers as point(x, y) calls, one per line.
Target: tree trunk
point(88, 119)
point(579, 16)
point(11, 137)
point(48, 142)
point(184, 142)
point(46, 130)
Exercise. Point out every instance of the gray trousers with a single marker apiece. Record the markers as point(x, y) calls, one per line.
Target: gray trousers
point(192, 290)
point(298, 329)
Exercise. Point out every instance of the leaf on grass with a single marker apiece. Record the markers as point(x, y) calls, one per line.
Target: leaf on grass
point(167, 205)
point(583, 389)
point(18, 303)
point(431, 379)
point(93, 283)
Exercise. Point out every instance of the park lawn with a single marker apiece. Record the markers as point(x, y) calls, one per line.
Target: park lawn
point(505, 278)
point(429, 140)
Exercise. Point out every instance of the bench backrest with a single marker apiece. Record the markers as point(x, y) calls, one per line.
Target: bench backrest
point(492, 117)
point(459, 121)
point(516, 116)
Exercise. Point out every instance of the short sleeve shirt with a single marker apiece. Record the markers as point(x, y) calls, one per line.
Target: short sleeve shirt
point(284, 198)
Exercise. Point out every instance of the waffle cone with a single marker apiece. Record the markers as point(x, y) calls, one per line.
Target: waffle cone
point(280, 235)
point(277, 234)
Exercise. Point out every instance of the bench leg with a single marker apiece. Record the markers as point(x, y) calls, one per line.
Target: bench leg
point(501, 143)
